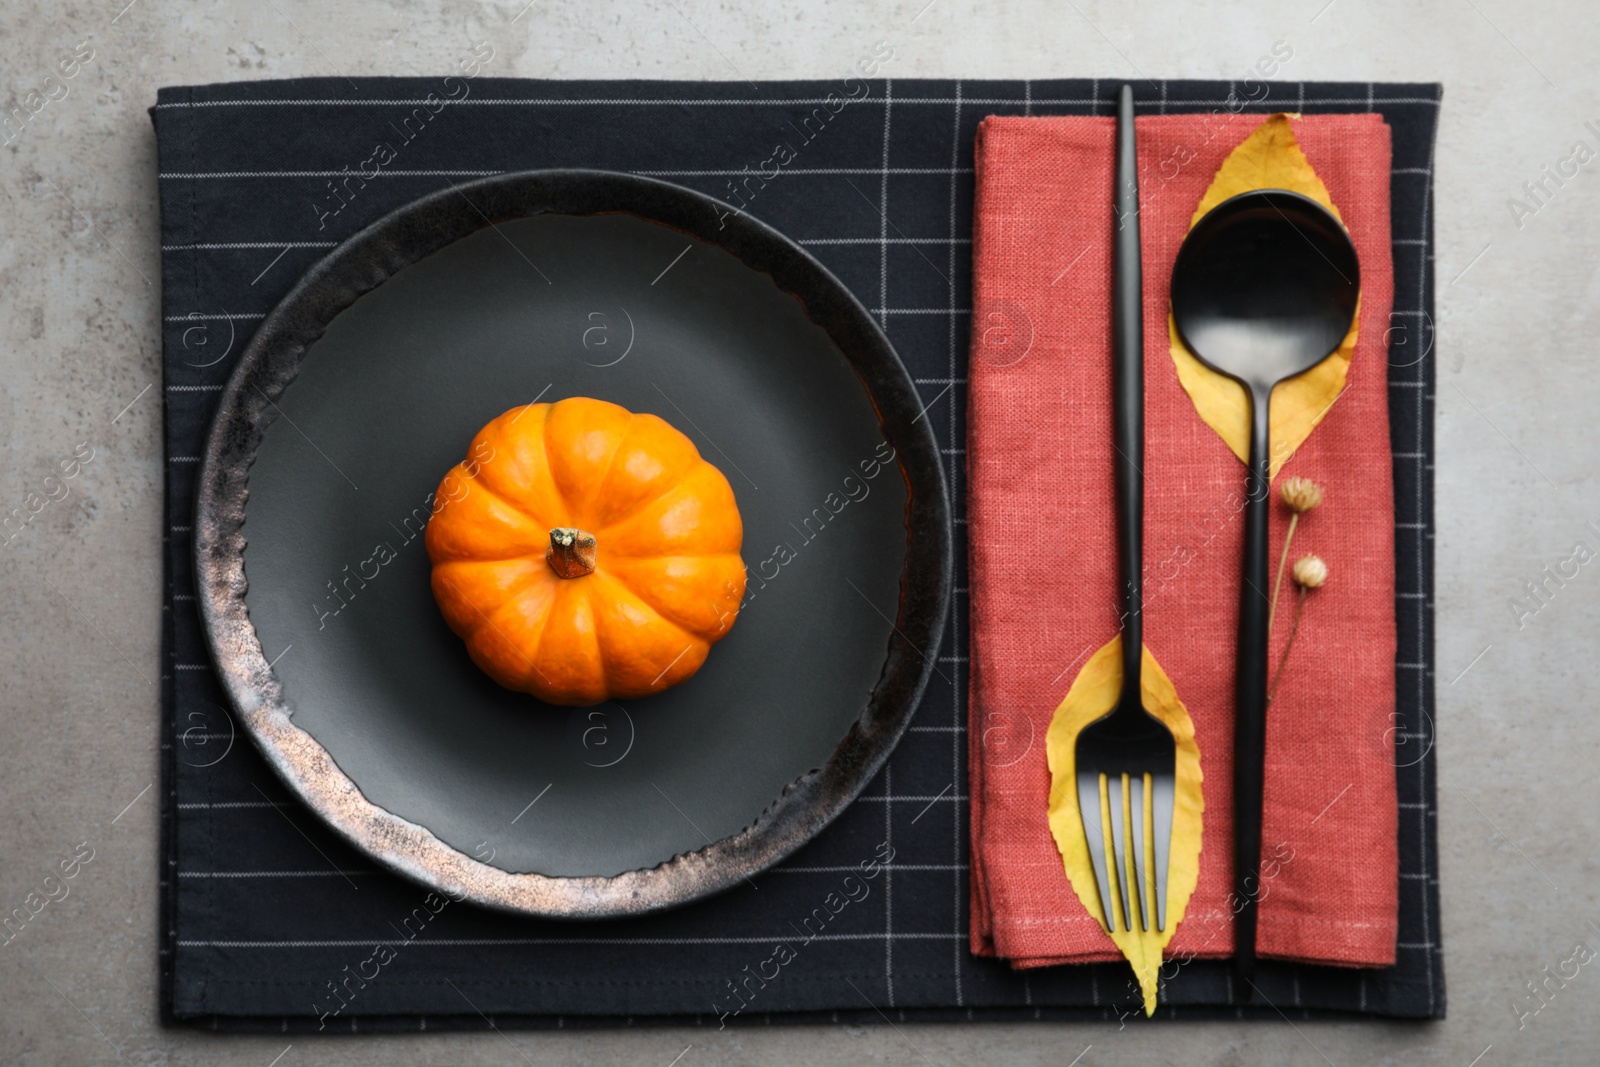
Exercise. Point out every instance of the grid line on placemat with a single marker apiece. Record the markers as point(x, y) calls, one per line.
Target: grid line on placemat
point(260, 931)
point(958, 617)
point(888, 770)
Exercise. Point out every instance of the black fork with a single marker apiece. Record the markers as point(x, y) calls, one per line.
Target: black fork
point(1126, 760)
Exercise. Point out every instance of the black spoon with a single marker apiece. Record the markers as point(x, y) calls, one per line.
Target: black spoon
point(1264, 288)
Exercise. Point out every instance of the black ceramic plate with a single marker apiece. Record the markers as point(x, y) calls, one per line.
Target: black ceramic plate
point(368, 382)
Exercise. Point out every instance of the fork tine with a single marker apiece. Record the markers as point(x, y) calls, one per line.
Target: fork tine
point(1141, 863)
point(1095, 836)
point(1119, 845)
point(1162, 796)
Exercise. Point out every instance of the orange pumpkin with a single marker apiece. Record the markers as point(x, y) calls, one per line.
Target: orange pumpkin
point(586, 553)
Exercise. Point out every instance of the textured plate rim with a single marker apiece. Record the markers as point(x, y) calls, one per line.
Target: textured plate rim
point(270, 363)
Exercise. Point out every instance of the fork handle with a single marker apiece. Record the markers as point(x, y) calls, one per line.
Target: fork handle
point(1250, 700)
point(1127, 387)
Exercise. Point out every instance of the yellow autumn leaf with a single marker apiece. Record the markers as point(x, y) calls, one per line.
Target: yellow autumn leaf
point(1093, 693)
point(1270, 158)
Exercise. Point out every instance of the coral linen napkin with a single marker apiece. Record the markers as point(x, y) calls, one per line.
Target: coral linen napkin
point(1043, 561)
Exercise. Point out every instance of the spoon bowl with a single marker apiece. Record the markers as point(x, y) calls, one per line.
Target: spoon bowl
point(1264, 288)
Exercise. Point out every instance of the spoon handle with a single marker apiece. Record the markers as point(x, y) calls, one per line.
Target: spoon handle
point(1250, 700)
point(1127, 386)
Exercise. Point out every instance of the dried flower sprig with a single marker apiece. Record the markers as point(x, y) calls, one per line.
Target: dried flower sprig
point(1310, 572)
point(1302, 495)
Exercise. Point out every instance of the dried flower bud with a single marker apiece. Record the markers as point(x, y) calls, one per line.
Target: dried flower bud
point(1301, 494)
point(1310, 571)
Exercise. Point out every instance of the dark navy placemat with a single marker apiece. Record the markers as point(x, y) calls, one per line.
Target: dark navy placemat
point(270, 922)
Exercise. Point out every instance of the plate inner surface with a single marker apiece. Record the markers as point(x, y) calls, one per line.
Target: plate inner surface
point(390, 397)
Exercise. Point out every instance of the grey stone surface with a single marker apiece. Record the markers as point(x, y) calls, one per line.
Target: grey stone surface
point(1517, 488)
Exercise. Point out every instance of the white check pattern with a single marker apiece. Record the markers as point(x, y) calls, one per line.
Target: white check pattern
point(886, 205)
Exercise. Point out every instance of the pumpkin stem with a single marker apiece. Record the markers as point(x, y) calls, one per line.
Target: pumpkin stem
point(571, 552)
